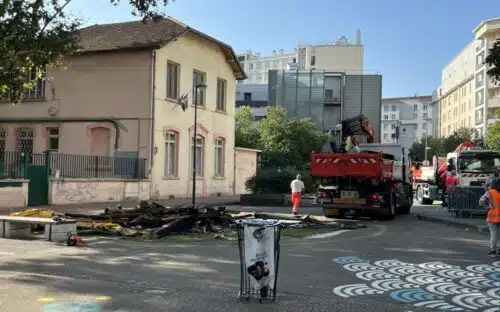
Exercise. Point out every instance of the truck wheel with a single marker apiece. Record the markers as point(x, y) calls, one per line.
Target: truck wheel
point(419, 194)
point(390, 213)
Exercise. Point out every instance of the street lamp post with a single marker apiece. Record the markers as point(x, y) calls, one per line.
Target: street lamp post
point(195, 130)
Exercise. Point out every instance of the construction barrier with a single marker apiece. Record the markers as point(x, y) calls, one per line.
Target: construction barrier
point(463, 201)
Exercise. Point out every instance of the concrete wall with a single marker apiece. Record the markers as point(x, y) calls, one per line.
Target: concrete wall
point(73, 191)
point(245, 167)
point(14, 193)
point(193, 53)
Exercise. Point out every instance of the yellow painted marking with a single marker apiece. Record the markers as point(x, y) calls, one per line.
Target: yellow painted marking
point(103, 298)
point(46, 299)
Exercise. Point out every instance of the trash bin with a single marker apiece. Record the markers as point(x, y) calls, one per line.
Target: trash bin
point(259, 247)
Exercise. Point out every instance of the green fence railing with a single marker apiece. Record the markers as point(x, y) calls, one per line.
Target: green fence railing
point(14, 165)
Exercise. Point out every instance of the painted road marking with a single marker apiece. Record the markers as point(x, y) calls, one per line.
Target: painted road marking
point(46, 299)
point(102, 298)
point(326, 235)
point(432, 285)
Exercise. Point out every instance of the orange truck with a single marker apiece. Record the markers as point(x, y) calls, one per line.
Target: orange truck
point(371, 179)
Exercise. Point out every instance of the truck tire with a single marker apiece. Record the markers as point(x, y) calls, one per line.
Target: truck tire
point(419, 194)
point(390, 213)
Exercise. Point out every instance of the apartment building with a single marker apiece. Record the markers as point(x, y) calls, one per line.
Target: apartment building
point(487, 92)
point(255, 96)
point(413, 116)
point(341, 56)
point(467, 96)
point(456, 94)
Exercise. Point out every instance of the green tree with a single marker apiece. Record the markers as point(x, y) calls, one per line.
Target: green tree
point(434, 147)
point(38, 33)
point(246, 132)
point(459, 136)
point(288, 142)
point(493, 136)
point(493, 61)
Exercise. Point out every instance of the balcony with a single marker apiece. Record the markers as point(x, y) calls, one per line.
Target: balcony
point(493, 84)
point(494, 102)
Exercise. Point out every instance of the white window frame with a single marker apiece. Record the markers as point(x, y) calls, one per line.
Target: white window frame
point(52, 136)
point(200, 144)
point(219, 156)
point(171, 144)
point(221, 95)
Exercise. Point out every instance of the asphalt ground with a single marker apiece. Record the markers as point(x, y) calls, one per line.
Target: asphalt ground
point(431, 267)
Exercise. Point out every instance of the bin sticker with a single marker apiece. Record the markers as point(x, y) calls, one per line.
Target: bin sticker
point(259, 256)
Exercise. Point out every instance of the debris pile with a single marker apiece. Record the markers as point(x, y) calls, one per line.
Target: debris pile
point(154, 221)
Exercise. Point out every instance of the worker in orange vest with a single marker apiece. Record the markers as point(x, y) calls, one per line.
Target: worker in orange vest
point(491, 201)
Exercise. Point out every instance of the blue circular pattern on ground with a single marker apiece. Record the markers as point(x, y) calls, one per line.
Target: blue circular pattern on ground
point(73, 306)
point(495, 276)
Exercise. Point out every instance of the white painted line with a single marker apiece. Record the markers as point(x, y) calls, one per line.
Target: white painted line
point(326, 235)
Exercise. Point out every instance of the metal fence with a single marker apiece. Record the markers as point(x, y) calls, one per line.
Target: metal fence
point(14, 165)
point(464, 201)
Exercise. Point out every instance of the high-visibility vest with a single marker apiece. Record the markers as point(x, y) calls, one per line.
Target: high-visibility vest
point(494, 212)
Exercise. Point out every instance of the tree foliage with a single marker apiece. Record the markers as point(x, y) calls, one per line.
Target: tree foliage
point(246, 132)
point(287, 142)
point(493, 137)
point(493, 61)
point(39, 33)
point(284, 142)
point(443, 146)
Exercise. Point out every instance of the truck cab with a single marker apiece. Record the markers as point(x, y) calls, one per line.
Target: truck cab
point(474, 166)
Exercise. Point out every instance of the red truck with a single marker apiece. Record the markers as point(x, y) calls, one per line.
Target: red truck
point(371, 179)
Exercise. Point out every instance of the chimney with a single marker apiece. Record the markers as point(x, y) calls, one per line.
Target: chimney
point(358, 37)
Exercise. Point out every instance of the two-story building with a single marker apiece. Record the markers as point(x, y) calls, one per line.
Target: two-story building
point(119, 99)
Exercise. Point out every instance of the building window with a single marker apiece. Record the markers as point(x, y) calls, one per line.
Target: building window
point(393, 126)
point(24, 140)
point(198, 78)
point(221, 95)
point(328, 95)
point(424, 116)
point(386, 126)
point(173, 81)
point(171, 153)
point(294, 60)
point(219, 157)
point(198, 151)
point(425, 107)
point(53, 139)
point(386, 117)
point(393, 117)
point(250, 66)
point(424, 126)
point(313, 60)
point(386, 107)
point(37, 92)
point(393, 108)
point(3, 141)
point(247, 96)
point(415, 116)
point(386, 136)
point(415, 107)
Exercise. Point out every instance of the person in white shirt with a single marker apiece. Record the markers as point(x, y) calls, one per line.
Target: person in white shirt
point(297, 187)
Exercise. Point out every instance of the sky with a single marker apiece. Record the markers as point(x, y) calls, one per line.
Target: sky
point(408, 42)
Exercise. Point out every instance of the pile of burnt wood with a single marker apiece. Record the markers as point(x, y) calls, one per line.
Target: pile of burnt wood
point(154, 220)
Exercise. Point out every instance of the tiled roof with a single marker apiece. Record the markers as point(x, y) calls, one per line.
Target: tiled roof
point(138, 35)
